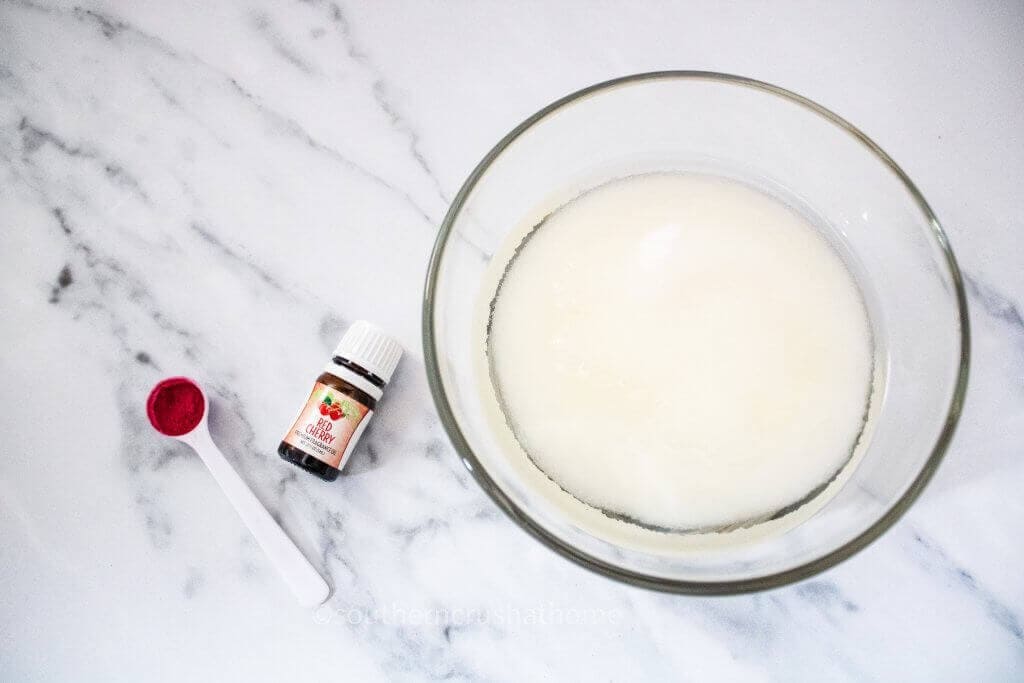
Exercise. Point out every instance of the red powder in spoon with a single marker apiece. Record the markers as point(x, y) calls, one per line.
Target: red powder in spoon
point(175, 406)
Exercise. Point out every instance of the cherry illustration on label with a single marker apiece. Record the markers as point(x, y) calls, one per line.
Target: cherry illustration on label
point(331, 409)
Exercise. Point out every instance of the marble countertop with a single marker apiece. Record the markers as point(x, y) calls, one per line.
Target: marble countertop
point(219, 188)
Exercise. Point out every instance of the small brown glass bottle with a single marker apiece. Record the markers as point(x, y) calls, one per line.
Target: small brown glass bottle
point(342, 401)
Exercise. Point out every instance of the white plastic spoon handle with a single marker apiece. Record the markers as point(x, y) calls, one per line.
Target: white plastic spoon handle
point(307, 585)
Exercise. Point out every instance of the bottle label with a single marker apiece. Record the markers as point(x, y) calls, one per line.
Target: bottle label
point(329, 425)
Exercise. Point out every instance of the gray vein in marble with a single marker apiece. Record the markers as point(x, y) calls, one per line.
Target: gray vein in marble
point(157, 522)
point(62, 220)
point(994, 304)
point(172, 101)
point(113, 28)
point(34, 137)
point(194, 581)
point(144, 358)
point(266, 30)
point(434, 449)
point(104, 272)
point(330, 330)
point(284, 482)
point(292, 128)
point(826, 597)
point(107, 273)
point(8, 78)
point(331, 527)
point(235, 257)
point(402, 649)
point(412, 532)
point(64, 280)
point(244, 444)
point(399, 122)
point(382, 97)
point(751, 625)
point(733, 615)
point(414, 655)
point(108, 26)
point(934, 556)
point(168, 454)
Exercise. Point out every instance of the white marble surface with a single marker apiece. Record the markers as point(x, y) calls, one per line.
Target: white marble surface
point(217, 188)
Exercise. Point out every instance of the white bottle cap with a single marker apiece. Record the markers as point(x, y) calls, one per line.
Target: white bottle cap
point(368, 346)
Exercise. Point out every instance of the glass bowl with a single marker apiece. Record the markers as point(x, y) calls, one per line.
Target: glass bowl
point(795, 150)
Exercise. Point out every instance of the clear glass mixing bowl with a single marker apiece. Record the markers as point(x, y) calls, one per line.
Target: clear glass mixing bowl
point(794, 149)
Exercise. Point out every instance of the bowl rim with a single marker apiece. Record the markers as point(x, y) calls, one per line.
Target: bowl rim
point(648, 581)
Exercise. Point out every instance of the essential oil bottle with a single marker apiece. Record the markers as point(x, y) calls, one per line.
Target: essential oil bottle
point(343, 399)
